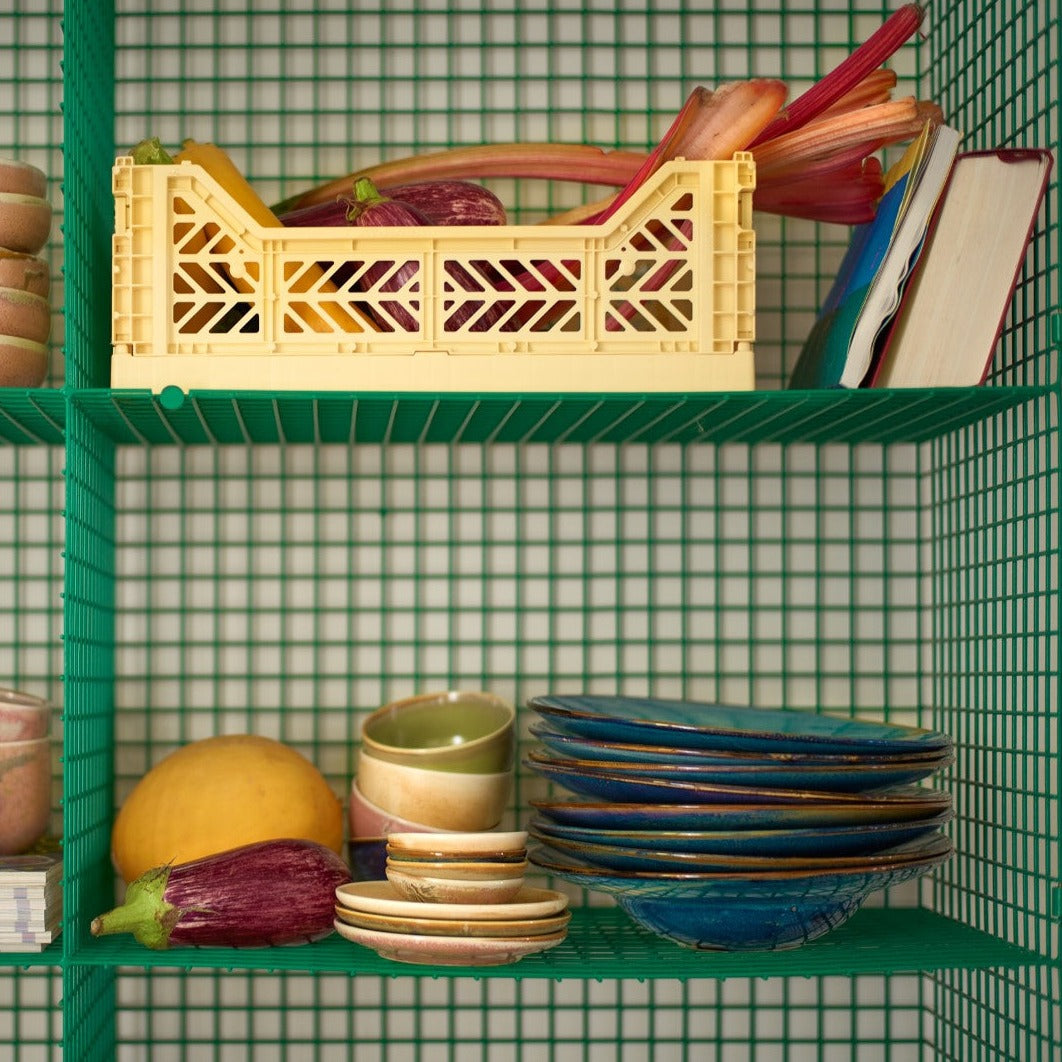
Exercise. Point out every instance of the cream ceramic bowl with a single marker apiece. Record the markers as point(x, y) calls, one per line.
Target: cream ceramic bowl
point(451, 731)
point(25, 793)
point(447, 800)
point(23, 716)
point(454, 890)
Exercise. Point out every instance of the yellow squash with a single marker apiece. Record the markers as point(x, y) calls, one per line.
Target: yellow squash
point(219, 793)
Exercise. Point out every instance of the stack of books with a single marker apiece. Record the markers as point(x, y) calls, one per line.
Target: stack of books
point(30, 900)
point(923, 291)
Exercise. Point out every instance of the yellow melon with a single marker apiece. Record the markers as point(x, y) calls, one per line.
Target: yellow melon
point(219, 793)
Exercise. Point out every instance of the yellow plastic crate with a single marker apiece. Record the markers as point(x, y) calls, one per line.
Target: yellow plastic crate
point(659, 298)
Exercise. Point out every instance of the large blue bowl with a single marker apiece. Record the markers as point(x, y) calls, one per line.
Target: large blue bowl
point(770, 911)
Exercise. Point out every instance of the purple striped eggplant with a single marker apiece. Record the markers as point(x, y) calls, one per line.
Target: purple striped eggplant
point(442, 202)
point(370, 209)
point(255, 896)
point(450, 202)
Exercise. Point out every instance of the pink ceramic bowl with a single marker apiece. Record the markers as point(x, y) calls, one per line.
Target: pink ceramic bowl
point(25, 793)
point(368, 821)
point(23, 716)
point(22, 178)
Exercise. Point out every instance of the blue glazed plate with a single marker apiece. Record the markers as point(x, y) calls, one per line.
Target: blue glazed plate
point(698, 725)
point(847, 777)
point(903, 804)
point(801, 841)
point(570, 746)
point(626, 787)
point(624, 859)
point(741, 911)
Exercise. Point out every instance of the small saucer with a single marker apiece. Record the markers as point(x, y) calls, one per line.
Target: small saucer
point(455, 927)
point(484, 842)
point(381, 897)
point(448, 951)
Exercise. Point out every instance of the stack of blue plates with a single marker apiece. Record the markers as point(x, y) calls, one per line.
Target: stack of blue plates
point(734, 827)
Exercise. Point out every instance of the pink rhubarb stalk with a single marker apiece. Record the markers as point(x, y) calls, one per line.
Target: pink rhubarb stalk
point(880, 46)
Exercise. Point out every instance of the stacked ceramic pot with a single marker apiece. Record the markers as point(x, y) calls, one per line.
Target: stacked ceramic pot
point(25, 770)
point(25, 280)
point(427, 764)
point(735, 828)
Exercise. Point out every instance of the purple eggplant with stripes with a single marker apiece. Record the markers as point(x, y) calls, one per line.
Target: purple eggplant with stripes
point(255, 896)
point(442, 202)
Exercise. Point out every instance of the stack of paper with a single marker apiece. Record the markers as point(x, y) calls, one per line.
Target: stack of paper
point(31, 905)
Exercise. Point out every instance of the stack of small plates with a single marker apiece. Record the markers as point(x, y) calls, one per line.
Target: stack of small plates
point(453, 900)
point(730, 827)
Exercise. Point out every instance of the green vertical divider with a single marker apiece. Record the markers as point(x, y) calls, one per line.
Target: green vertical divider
point(89, 1001)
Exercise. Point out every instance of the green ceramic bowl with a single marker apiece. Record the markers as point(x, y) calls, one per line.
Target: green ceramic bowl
point(449, 731)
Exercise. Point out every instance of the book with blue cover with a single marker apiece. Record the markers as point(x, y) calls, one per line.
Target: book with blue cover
point(842, 344)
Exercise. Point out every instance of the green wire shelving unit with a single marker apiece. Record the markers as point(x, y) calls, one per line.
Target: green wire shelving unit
point(179, 564)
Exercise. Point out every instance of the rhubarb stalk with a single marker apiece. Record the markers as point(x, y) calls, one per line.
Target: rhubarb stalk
point(582, 162)
point(880, 46)
point(710, 126)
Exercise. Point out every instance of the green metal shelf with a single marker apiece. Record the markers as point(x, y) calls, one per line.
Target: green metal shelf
point(604, 943)
point(871, 416)
point(32, 417)
point(50, 958)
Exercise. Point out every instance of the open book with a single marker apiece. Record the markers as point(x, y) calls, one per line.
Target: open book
point(840, 348)
point(952, 313)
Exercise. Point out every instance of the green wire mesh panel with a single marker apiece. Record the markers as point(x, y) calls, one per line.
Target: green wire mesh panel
point(995, 631)
point(31, 1021)
point(294, 1016)
point(31, 574)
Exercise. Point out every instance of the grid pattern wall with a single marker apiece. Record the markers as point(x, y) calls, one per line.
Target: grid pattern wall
point(995, 655)
point(294, 588)
point(31, 582)
point(215, 1017)
point(256, 592)
point(31, 126)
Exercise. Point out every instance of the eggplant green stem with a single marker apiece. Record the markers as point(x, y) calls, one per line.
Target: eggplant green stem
point(145, 912)
point(151, 152)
